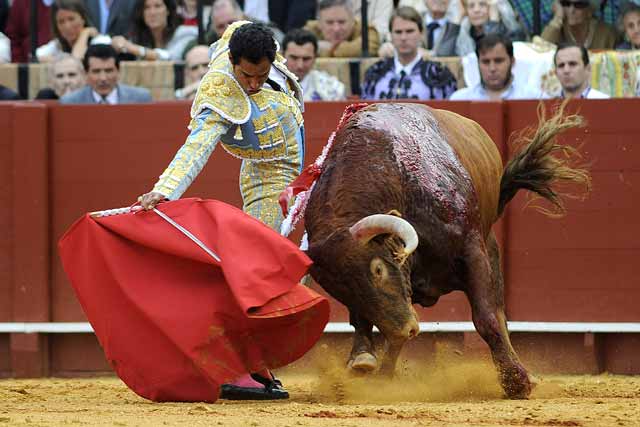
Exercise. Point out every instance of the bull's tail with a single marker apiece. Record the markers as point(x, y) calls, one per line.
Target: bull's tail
point(541, 162)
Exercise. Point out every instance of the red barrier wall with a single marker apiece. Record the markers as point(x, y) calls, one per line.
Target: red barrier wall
point(61, 161)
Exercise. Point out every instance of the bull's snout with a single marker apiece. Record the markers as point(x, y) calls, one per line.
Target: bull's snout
point(410, 330)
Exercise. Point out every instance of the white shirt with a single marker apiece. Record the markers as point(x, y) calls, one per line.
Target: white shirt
point(479, 93)
point(111, 99)
point(257, 9)
point(398, 67)
point(438, 31)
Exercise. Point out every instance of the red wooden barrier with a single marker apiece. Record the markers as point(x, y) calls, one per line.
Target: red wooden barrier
point(62, 161)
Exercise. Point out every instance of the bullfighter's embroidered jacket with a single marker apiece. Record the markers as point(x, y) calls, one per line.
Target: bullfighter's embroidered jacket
point(264, 130)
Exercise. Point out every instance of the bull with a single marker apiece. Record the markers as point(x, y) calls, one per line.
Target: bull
point(402, 214)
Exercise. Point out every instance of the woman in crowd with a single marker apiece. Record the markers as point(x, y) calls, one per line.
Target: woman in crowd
point(483, 17)
point(72, 31)
point(630, 26)
point(157, 33)
point(573, 21)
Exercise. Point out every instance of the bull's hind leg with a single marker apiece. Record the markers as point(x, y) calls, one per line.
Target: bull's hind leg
point(486, 296)
point(362, 358)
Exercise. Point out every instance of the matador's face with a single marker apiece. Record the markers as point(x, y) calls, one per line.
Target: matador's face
point(252, 76)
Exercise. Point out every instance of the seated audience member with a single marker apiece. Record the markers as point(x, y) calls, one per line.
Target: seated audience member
point(482, 17)
point(102, 66)
point(378, 13)
point(284, 14)
point(72, 31)
point(441, 34)
point(18, 28)
point(300, 50)
point(574, 72)
point(225, 13)
point(495, 63)
point(157, 33)
point(195, 67)
point(188, 12)
point(407, 75)
point(7, 94)
point(5, 49)
point(112, 17)
point(66, 74)
point(339, 32)
point(573, 21)
point(630, 25)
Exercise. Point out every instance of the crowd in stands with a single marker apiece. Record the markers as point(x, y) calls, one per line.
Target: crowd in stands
point(84, 42)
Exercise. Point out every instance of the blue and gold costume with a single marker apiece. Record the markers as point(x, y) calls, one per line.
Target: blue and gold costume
point(264, 130)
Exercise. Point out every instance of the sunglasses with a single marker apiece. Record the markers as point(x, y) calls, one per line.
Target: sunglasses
point(196, 66)
point(575, 4)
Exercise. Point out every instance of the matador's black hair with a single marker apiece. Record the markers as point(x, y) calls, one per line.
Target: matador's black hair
point(252, 42)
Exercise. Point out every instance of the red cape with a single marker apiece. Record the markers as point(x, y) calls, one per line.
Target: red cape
point(174, 323)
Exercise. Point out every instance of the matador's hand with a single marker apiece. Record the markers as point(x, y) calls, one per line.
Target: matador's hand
point(150, 200)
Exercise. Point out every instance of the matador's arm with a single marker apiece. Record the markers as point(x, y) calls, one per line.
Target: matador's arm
point(206, 130)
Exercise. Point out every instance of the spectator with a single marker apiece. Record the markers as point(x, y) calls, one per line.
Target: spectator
point(495, 63)
point(7, 94)
point(72, 31)
point(225, 13)
point(629, 22)
point(195, 67)
point(407, 75)
point(441, 33)
point(573, 21)
point(188, 12)
point(300, 50)
point(284, 14)
point(102, 65)
point(156, 33)
point(378, 14)
point(574, 72)
point(66, 74)
point(5, 49)
point(18, 28)
point(339, 33)
point(112, 17)
point(482, 17)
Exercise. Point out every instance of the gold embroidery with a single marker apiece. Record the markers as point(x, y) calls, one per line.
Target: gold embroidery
point(224, 94)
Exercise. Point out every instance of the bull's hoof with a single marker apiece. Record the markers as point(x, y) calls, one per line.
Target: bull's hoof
point(518, 385)
point(363, 363)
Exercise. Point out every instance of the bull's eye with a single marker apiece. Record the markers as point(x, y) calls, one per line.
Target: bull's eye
point(378, 268)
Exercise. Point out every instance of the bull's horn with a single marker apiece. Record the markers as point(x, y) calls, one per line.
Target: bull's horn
point(369, 227)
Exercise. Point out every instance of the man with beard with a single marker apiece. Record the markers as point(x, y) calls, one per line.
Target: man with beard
point(495, 62)
point(574, 72)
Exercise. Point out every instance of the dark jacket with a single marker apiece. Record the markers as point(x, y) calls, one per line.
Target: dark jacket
point(18, 28)
point(7, 94)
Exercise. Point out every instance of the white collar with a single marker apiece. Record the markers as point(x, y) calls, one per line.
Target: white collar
point(398, 67)
point(428, 19)
point(111, 99)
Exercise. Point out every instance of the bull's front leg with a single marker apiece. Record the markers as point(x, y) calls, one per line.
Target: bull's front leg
point(392, 351)
point(362, 358)
point(486, 296)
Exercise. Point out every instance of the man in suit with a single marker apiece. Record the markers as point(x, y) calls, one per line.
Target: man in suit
point(441, 34)
point(286, 14)
point(103, 72)
point(111, 17)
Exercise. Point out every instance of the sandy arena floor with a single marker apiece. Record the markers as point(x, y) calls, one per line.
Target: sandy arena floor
point(444, 394)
